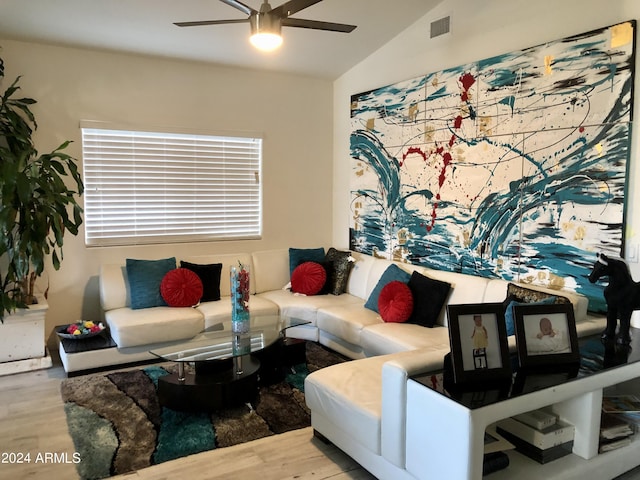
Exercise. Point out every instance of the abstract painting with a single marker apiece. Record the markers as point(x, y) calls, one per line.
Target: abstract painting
point(511, 167)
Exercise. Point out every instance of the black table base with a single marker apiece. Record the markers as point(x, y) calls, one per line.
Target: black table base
point(222, 383)
point(214, 385)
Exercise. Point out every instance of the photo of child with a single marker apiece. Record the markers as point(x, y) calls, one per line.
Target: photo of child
point(479, 341)
point(480, 338)
point(546, 328)
point(546, 334)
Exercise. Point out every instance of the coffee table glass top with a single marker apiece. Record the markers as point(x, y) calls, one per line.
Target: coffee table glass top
point(219, 342)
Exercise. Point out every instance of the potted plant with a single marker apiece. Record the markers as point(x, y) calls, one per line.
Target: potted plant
point(38, 207)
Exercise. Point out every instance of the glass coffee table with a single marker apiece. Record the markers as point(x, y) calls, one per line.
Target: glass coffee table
point(218, 368)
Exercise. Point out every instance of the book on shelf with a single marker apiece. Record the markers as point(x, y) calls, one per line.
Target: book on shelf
point(538, 419)
point(557, 434)
point(620, 403)
point(607, 446)
point(538, 454)
point(613, 426)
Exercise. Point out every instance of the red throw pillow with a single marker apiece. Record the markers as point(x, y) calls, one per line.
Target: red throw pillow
point(181, 288)
point(308, 278)
point(395, 302)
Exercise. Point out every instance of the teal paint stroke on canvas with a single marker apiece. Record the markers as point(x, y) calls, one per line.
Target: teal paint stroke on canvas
point(511, 167)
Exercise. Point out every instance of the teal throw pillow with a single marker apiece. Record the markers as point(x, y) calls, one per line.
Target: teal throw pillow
point(297, 256)
point(145, 277)
point(392, 273)
point(508, 313)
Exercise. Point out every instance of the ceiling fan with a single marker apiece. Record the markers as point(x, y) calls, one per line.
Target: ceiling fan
point(266, 23)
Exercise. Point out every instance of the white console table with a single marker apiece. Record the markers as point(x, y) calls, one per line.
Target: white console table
point(445, 438)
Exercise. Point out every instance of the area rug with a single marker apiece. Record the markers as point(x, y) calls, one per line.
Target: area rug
point(118, 426)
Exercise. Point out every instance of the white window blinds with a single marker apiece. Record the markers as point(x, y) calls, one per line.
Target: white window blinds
point(149, 187)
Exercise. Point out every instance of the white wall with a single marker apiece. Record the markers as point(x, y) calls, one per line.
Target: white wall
point(293, 113)
point(479, 29)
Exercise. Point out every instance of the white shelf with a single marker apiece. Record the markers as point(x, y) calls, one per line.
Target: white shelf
point(453, 434)
point(602, 467)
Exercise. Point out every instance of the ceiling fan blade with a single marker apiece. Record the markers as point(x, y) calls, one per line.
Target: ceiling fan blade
point(316, 25)
point(240, 6)
point(292, 6)
point(210, 22)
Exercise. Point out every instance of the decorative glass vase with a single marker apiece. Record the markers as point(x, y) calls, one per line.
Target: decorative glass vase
point(240, 298)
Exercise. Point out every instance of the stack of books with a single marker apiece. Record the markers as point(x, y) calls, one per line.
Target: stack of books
point(619, 421)
point(539, 435)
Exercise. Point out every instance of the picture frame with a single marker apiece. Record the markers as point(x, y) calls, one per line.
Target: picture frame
point(546, 336)
point(479, 348)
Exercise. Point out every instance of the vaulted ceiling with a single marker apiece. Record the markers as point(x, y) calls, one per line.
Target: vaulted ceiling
point(146, 27)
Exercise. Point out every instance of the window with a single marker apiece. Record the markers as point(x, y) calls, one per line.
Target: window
point(150, 187)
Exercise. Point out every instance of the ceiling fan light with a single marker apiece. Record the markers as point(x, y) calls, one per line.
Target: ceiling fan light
point(265, 31)
point(266, 41)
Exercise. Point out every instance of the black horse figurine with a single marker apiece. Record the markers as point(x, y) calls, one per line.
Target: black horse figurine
point(622, 295)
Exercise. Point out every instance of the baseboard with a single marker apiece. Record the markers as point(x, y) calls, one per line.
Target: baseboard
point(26, 365)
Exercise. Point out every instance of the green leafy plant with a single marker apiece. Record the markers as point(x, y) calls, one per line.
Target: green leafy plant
point(38, 207)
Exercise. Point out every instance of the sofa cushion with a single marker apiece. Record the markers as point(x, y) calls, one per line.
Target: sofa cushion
point(145, 277)
point(429, 296)
point(270, 269)
point(346, 321)
point(303, 307)
point(209, 275)
point(464, 289)
point(181, 288)
point(392, 273)
point(384, 338)
point(341, 265)
point(359, 276)
point(351, 395)
point(308, 278)
point(218, 312)
point(395, 302)
point(114, 289)
point(301, 255)
point(132, 328)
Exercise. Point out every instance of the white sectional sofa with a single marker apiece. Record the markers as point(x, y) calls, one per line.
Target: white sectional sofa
point(340, 322)
point(360, 405)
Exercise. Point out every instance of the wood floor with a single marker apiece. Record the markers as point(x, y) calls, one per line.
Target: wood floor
point(32, 421)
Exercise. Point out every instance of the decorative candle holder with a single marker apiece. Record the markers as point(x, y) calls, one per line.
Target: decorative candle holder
point(240, 298)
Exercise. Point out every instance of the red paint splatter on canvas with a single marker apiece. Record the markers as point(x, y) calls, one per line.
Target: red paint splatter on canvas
point(412, 150)
point(467, 80)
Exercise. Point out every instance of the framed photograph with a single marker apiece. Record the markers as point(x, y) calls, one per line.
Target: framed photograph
point(478, 338)
point(546, 335)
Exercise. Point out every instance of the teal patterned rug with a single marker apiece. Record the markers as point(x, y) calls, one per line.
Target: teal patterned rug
point(118, 426)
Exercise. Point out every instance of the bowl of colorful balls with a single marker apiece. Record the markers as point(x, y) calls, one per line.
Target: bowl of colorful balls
point(80, 330)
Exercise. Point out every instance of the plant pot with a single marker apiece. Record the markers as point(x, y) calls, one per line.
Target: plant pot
point(22, 333)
